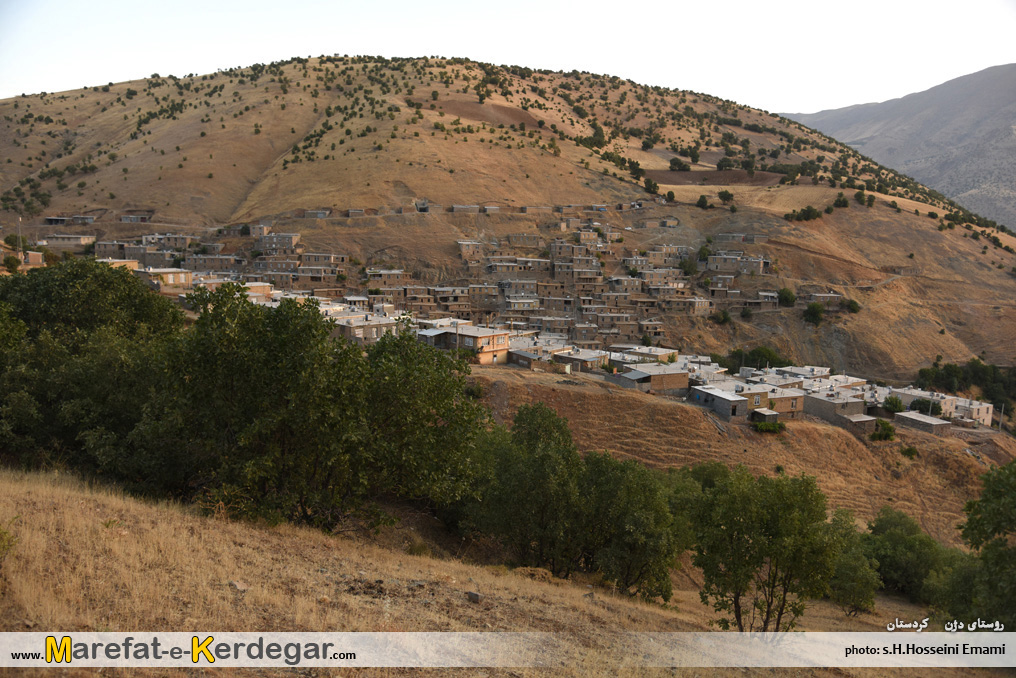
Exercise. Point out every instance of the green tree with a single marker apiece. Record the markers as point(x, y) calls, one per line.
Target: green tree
point(905, 554)
point(651, 186)
point(678, 165)
point(628, 530)
point(726, 196)
point(670, 196)
point(725, 164)
point(786, 297)
point(893, 403)
point(855, 575)
point(286, 438)
point(924, 406)
point(764, 549)
point(15, 242)
point(814, 313)
point(79, 296)
point(991, 529)
point(423, 424)
point(12, 264)
point(532, 504)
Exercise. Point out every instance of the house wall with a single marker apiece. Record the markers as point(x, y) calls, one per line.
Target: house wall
point(831, 409)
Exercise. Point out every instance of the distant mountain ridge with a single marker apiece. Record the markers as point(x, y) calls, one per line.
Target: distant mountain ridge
point(958, 138)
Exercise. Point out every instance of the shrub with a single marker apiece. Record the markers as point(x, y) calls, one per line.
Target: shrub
point(769, 426)
point(786, 297)
point(910, 452)
point(883, 431)
point(814, 313)
point(925, 406)
point(703, 202)
point(893, 404)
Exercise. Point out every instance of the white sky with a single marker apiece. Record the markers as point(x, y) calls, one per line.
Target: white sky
point(797, 56)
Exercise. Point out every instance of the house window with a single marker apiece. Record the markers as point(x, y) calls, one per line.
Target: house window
point(793, 404)
point(758, 400)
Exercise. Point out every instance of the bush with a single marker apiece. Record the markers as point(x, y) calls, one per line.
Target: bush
point(883, 431)
point(814, 313)
point(721, 317)
point(905, 554)
point(769, 426)
point(703, 202)
point(786, 297)
point(910, 452)
point(893, 404)
point(925, 406)
point(851, 305)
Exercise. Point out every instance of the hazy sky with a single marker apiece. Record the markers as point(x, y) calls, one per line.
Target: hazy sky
point(789, 56)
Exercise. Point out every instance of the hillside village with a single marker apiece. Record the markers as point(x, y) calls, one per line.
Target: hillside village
point(567, 297)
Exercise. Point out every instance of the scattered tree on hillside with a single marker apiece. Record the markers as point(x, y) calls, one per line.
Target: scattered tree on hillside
point(814, 313)
point(774, 550)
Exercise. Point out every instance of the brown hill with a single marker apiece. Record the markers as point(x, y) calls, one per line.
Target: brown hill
point(356, 132)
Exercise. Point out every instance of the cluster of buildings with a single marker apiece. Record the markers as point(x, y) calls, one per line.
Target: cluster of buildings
point(541, 298)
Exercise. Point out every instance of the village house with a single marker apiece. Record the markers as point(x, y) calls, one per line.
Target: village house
point(922, 422)
point(581, 360)
point(129, 264)
point(366, 329)
point(58, 241)
point(489, 346)
point(726, 405)
point(832, 406)
point(470, 250)
point(524, 240)
point(665, 379)
point(160, 278)
point(212, 262)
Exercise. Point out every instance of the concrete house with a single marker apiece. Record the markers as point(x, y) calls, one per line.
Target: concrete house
point(726, 405)
point(490, 346)
point(832, 406)
point(659, 378)
point(922, 422)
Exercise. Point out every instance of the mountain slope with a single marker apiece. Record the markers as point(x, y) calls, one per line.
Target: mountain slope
point(958, 138)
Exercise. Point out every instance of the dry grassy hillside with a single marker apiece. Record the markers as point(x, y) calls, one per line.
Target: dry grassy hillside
point(664, 432)
point(94, 560)
point(359, 132)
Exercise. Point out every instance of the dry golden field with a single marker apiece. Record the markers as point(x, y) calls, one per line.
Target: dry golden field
point(91, 559)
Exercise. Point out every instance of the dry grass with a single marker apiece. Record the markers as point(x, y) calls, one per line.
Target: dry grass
point(94, 560)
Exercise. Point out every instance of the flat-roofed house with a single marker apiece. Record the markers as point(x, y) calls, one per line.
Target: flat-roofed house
point(725, 404)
